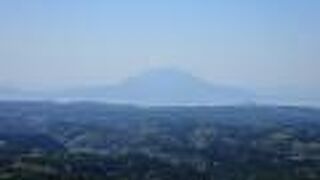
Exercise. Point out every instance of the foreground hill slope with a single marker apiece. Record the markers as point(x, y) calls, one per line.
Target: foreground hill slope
point(45, 140)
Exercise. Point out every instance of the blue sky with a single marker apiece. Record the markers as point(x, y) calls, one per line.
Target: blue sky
point(255, 44)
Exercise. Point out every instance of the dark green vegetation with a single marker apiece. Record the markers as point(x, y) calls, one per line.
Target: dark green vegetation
point(43, 140)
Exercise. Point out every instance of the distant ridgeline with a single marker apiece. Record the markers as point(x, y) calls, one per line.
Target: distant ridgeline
point(156, 87)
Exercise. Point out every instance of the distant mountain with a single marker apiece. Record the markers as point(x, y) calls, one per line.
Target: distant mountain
point(163, 87)
point(12, 93)
point(155, 87)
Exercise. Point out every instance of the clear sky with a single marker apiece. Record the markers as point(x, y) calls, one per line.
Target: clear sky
point(256, 44)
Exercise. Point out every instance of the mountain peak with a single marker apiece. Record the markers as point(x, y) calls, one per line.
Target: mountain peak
point(172, 72)
point(162, 78)
point(167, 86)
point(164, 86)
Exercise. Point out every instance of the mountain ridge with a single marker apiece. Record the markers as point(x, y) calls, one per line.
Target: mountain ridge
point(163, 86)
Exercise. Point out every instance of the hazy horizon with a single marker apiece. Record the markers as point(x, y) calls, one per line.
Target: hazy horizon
point(271, 47)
